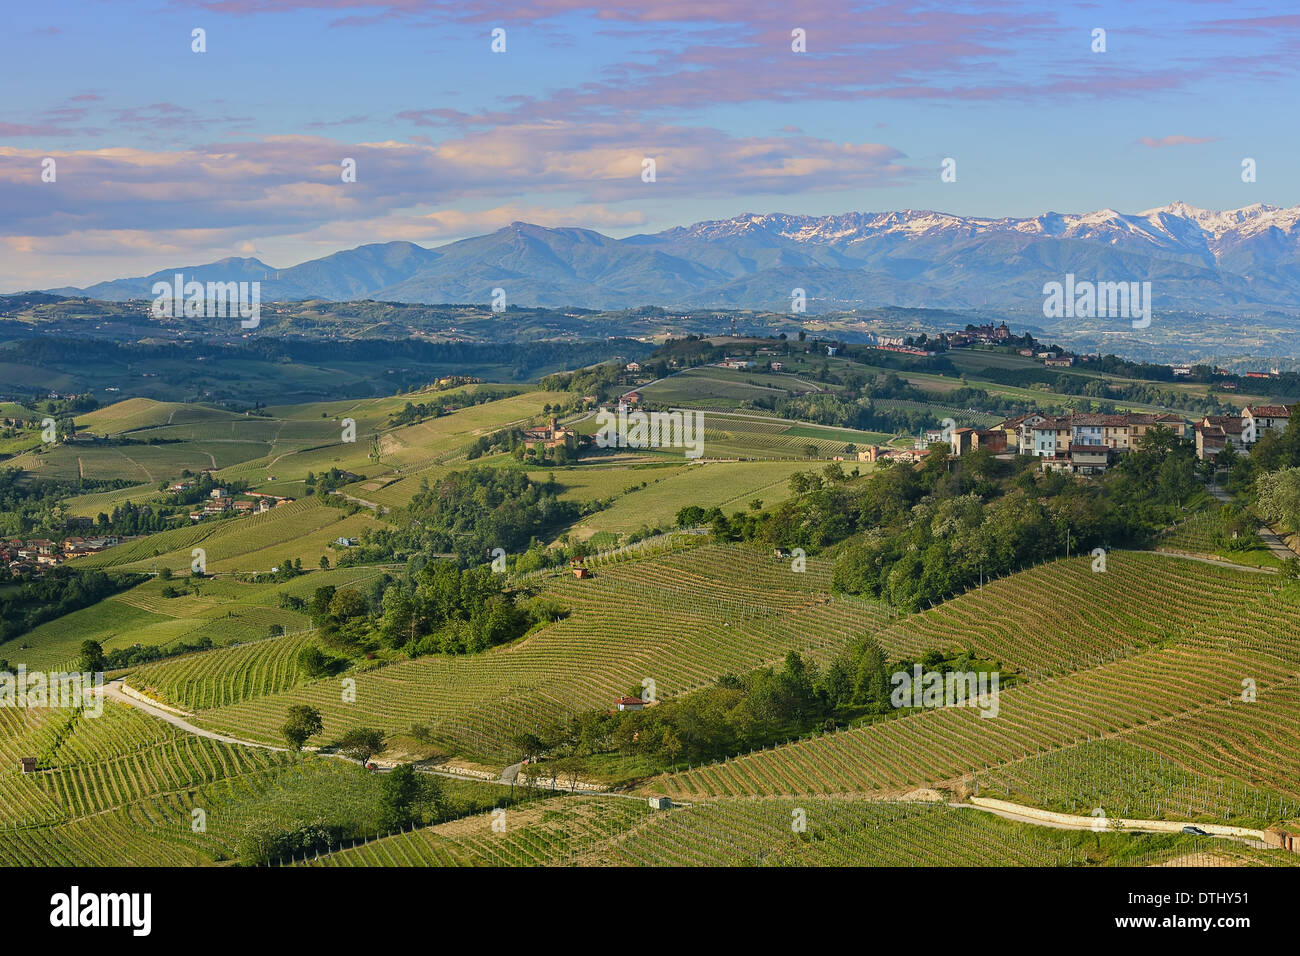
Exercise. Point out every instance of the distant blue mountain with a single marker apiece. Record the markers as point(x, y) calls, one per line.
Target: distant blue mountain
point(1241, 261)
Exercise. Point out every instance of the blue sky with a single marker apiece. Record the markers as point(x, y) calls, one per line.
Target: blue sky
point(166, 157)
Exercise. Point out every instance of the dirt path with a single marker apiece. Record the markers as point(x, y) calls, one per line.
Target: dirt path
point(1218, 562)
point(1070, 821)
point(1272, 540)
point(116, 691)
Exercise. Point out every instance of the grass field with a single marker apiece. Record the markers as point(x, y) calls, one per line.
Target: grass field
point(727, 485)
point(301, 530)
point(225, 610)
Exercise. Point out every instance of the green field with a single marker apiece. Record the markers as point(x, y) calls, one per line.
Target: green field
point(225, 610)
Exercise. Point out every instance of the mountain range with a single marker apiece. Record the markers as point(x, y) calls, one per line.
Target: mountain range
point(1240, 262)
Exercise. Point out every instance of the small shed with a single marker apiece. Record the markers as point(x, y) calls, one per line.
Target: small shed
point(780, 552)
point(581, 572)
point(661, 803)
point(630, 703)
point(28, 764)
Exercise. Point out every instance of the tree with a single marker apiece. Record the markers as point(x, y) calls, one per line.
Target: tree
point(314, 662)
point(397, 626)
point(319, 608)
point(810, 451)
point(1278, 498)
point(92, 657)
point(361, 743)
point(324, 562)
point(304, 722)
point(404, 796)
point(164, 574)
point(348, 604)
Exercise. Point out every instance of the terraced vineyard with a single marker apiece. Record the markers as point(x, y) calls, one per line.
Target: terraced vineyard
point(1209, 532)
point(1177, 696)
point(120, 789)
point(1127, 780)
point(209, 680)
point(736, 435)
point(711, 610)
point(1057, 617)
point(947, 743)
point(724, 484)
point(607, 831)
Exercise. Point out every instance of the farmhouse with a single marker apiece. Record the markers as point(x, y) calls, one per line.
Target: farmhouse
point(630, 703)
point(1257, 419)
point(1216, 432)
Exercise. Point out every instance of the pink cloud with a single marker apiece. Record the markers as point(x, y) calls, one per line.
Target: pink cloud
point(1154, 143)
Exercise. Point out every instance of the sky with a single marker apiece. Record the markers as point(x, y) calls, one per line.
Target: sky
point(164, 156)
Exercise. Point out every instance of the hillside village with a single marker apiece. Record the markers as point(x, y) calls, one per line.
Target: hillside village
point(1087, 443)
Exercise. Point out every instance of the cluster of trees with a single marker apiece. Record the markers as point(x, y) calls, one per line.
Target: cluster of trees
point(327, 481)
point(1268, 475)
point(596, 380)
point(512, 440)
point(740, 713)
point(33, 507)
point(442, 608)
point(469, 513)
point(451, 610)
point(413, 413)
point(915, 536)
point(144, 653)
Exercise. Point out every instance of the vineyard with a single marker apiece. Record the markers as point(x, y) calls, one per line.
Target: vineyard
point(723, 484)
point(1133, 782)
point(680, 620)
point(1212, 532)
point(1058, 617)
point(1171, 693)
point(122, 788)
point(819, 831)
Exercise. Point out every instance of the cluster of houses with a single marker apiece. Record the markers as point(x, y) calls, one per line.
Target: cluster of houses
point(1085, 443)
point(30, 556)
point(220, 501)
point(1238, 432)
